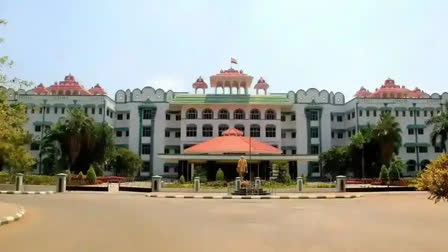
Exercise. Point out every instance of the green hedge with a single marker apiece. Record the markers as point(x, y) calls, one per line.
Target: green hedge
point(28, 179)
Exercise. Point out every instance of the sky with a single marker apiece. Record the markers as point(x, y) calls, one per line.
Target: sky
point(333, 45)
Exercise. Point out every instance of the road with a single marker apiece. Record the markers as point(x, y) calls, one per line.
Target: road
point(130, 222)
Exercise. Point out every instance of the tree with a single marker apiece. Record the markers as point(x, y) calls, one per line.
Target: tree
point(360, 141)
point(435, 178)
point(283, 172)
point(219, 175)
point(126, 163)
point(439, 134)
point(336, 161)
point(388, 134)
point(384, 174)
point(91, 175)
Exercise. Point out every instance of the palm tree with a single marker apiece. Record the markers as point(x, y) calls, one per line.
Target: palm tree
point(439, 133)
point(359, 141)
point(388, 134)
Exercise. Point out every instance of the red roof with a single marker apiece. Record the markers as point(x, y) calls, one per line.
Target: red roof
point(233, 141)
point(69, 83)
point(97, 90)
point(200, 83)
point(40, 89)
point(261, 84)
point(390, 90)
point(231, 72)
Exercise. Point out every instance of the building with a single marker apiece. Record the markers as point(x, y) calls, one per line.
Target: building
point(160, 125)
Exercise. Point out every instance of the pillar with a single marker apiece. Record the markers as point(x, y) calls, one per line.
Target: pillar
point(237, 183)
point(341, 183)
point(299, 184)
point(61, 182)
point(197, 184)
point(257, 182)
point(192, 171)
point(156, 183)
point(19, 182)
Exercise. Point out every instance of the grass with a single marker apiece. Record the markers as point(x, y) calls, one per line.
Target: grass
point(28, 179)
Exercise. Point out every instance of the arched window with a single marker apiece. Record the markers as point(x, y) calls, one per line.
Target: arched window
point(223, 114)
point(192, 113)
point(411, 165)
point(255, 130)
point(60, 92)
point(207, 130)
point(255, 114)
point(240, 127)
point(191, 130)
point(270, 131)
point(221, 128)
point(238, 114)
point(270, 114)
point(207, 114)
point(423, 164)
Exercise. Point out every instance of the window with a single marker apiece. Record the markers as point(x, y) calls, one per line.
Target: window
point(431, 113)
point(207, 114)
point(410, 149)
point(349, 133)
point(282, 118)
point(410, 131)
point(417, 113)
point(100, 111)
point(314, 149)
point(339, 118)
point(270, 114)
point(425, 113)
point(293, 134)
point(255, 114)
point(107, 112)
point(438, 149)
point(146, 166)
point(167, 133)
point(255, 131)
point(396, 113)
point(55, 110)
point(314, 167)
point(353, 114)
point(120, 116)
point(293, 151)
point(40, 110)
point(167, 116)
point(191, 130)
point(348, 116)
point(374, 113)
point(118, 133)
point(331, 117)
point(111, 114)
point(240, 128)
point(360, 113)
point(192, 114)
point(223, 114)
point(148, 114)
point(293, 117)
point(332, 134)
point(422, 149)
point(85, 110)
point(340, 135)
point(313, 116)
point(35, 146)
point(411, 113)
point(420, 131)
point(167, 150)
point(368, 113)
point(314, 132)
point(146, 131)
point(146, 149)
point(93, 111)
point(37, 128)
point(283, 134)
point(128, 116)
point(403, 113)
point(411, 165)
point(166, 169)
point(178, 117)
point(48, 110)
point(284, 151)
point(207, 130)
point(127, 133)
point(222, 128)
point(238, 114)
point(177, 134)
point(270, 131)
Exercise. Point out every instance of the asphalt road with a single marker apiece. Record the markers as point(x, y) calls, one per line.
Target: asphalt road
point(131, 222)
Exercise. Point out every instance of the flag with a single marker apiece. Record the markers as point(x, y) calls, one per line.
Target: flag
point(233, 61)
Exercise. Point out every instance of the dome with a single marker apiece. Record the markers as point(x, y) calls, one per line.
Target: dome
point(261, 84)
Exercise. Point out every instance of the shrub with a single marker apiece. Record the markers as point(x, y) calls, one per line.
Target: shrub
point(4, 178)
point(215, 184)
point(38, 180)
point(384, 174)
point(80, 175)
point(182, 180)
point(435, 178)
point(69, 176)
point(219, 175)
point(396, 166)
point(283, 172)
point(91, 175)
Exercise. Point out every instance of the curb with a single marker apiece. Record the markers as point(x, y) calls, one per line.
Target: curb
point(252, 197)
point(27, 192)
point(8, 219)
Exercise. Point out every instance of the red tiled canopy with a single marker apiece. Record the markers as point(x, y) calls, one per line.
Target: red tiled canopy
point(232, 141)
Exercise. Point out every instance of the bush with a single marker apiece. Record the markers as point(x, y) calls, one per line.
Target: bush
point(38, 180)
point(219, 175)
point(435, 178)
point(91, 175)
point(80, 175)
point(4, 178)
point(182, 180)
point(215, 184)
point(98, 170)
point(384, 174)
point(396, 166)
point(283, 172)
point(69, 176)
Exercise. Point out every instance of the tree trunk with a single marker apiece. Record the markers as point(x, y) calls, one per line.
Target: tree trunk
point(363, 171)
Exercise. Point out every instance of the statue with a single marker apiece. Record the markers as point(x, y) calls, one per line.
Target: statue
point(242, 167)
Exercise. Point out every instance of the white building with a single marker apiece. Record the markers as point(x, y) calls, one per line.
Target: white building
point(159, 125)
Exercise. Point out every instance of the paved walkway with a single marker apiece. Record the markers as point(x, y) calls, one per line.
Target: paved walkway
point(7, 209)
